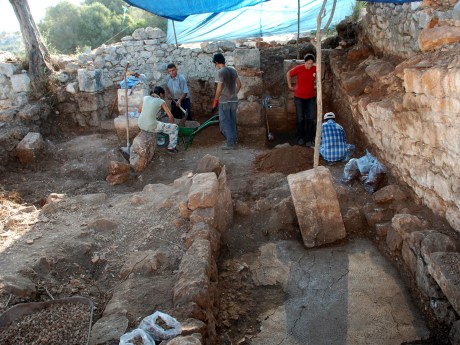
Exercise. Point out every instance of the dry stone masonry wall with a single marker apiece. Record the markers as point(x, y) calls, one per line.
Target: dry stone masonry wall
point(403, 29)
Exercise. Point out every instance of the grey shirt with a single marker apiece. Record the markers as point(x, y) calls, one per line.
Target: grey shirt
point(227, 76)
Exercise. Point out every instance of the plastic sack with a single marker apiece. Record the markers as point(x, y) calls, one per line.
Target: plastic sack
point(161, 326)
point(365, 162)
point(136, 337)
point(131, 81)
point(375, 177)
point(350, 171)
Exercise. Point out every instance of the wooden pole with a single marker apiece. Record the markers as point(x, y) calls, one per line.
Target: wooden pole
point(174, 29)
point(319, 88)
point(298, 28)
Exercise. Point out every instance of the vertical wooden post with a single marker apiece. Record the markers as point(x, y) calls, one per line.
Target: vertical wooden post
point(298, 28)
point(175, 37)
point(319, 88)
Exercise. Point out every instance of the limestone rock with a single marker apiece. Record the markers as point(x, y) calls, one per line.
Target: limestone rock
point(242, 208)
point(196, 270)
point(203, 193)
point(249, 58)
point(379, 69)
point(209, 164)
point(404, 224)
point(425, 281)
point(204, 231)
point(20, 82)
point(224, 204)
point(117, 179)
point(102, 225)
point(388, 194)
point(142, 150)
point(93, 81)
point(316, 206)
point(115, 168)
point(436, 242)
point(120, 124)
point(144, 262)
point(108, 328)
point(30, 147)
point(454, 334)
point(393, 240)
point(194, 339)
point(17, 285)
point(445, 269)
point(250, 86)
point(249, 114)
point(432, 38)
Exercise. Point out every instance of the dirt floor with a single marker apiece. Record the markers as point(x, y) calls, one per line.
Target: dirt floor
point(107, 232)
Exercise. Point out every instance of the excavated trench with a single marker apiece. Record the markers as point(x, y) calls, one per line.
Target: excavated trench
point(271, 289)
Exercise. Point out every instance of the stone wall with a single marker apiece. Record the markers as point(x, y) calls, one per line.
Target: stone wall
point(393, 29)
point(410, 115)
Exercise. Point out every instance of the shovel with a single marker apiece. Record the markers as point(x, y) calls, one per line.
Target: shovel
point(184, 118)
point(126, 150)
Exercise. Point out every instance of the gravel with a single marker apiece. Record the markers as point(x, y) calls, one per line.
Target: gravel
point(56, 324)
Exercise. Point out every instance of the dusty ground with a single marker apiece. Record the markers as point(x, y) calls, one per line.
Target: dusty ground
point(82, 248)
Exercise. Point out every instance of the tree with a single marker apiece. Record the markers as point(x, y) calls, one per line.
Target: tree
point(36, 52)
point(115, 6)
point(61, 26)
point(95, 25)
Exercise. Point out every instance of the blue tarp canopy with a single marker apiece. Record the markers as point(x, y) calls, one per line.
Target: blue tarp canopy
point(270, 18)
point(181, 9)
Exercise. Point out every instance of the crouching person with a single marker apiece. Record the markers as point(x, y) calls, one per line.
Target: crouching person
point(334, 147)
point(149, 109)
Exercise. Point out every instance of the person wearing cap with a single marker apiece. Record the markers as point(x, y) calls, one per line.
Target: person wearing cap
point(177, 91)
point(149, 109)
point(304, 99)
point(226, 99)
point(334, 147)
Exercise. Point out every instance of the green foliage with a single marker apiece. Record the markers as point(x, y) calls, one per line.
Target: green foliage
point(69, 28)
point(114, 6)
point(12, 42)
point(359, 5)
point(60, 27)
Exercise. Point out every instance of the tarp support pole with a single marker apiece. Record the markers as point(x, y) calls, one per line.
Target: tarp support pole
point(298, 28)
point(175, 37)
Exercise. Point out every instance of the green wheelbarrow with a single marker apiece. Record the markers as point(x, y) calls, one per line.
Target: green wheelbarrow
point(186, 134)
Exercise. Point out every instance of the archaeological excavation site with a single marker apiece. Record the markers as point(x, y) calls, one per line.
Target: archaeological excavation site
point(111, 233)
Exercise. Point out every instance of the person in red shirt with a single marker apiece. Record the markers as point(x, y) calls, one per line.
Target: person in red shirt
point(304, 99)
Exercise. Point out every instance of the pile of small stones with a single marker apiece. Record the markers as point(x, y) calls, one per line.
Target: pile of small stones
point(56, 324)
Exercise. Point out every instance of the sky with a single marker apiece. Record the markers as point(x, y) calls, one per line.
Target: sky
point(8, 20)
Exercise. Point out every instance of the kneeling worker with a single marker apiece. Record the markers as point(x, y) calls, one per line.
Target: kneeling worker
point(334, 147)
point(147, 121)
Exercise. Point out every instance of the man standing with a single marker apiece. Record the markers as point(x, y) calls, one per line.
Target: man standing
point(228, 86)
point(149, 109)
point(304, 99)
point(334, 145)
point(177, 91)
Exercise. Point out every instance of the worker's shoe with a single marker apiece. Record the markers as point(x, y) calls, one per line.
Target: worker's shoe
point(173, 150)
point(228, 147)
point(310, 144)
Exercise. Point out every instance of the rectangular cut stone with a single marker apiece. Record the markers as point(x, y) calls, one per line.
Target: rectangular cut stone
point(316, 206)
point(203, 192)
point(445, 269)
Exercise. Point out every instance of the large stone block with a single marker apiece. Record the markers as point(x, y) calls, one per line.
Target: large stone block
point(425, 282)
point(224, 205)
point(89, 101)
point(445, 269)
point(404, 224)
point(120, 124)
point(246, 58)
point(20, 82)
point(196, 271)
point(203, 192)
point(316, 206)
point(135, 98)
point(7, 69)
point(432, 38)
point(93, 81)
point(436, 242)
point(142, 150)
point(250, 86)
point(249, 114)
point(30, 147)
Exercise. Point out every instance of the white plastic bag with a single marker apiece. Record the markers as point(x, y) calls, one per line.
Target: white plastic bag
point(161, 326)
point(350, 171)
point(134, 337)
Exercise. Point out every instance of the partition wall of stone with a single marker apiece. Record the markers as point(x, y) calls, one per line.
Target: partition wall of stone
point(409, 110)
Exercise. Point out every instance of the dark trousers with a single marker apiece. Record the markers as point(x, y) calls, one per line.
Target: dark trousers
point(305, 111)
point(179, 114)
